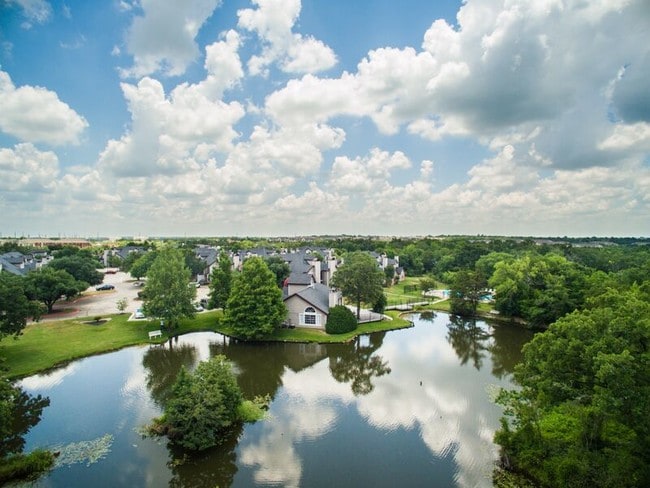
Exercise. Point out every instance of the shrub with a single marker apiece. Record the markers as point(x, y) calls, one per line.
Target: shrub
point(340, 320)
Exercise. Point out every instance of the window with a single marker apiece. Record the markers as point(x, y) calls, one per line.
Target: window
point(309, 317)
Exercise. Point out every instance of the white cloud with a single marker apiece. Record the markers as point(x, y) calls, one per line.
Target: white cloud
point(170, 134)
point(363, 175)
point(273, 21)
point(35, 114)
point(162, 39)
point(26, 169)
point(35, 11)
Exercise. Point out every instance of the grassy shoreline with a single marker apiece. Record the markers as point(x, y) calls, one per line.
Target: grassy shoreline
point(47, 345)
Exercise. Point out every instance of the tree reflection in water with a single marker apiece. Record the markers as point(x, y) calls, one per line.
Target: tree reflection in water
point(163, 364)
point(357, 364)
point(506, 349)
point(468, 339)
point(213, 467)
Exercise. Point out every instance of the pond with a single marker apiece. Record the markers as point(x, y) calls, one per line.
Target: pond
point(411, 408)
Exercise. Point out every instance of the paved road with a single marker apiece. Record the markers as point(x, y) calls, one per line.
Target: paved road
point(94, 303)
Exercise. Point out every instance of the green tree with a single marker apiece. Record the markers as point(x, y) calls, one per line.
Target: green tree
point(389, 275)
point(359, 279)
point(279, 267)
point(142, 263)
point(221, 282)
point(15, 307)
point(48, 285)
point(255, 307)
point(466, 290)
point(203, 405)
point(580, 418)
point(195, 264)
point(427, 283)
point(167, 294)
point(80, 267)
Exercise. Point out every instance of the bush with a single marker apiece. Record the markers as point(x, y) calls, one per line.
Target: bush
point(340, 320)
point(203, 406)
point(25, 467)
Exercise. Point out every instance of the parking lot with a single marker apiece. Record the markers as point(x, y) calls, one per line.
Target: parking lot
point(93, 303)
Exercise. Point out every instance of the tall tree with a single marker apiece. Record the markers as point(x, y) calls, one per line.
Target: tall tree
point(15, 307)
point(48, 285)
point(359, 279)
point(168, 295)
point(221, 282)
point(466, 290)
point(255, 307)
point(279, 267)
point(80, 266)
point(140, 267)
point(581, 416)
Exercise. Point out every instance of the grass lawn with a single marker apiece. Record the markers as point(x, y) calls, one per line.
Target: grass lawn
point(396, 294)
point(45, 345)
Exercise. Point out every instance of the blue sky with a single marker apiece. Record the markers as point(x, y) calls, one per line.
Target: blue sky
point(282, 117)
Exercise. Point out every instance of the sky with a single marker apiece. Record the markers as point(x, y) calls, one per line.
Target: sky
point(312, 117)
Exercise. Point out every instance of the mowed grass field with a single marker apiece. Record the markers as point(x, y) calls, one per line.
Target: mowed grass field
point(45, 345)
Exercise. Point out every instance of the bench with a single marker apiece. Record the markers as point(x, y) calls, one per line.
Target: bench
point(155, 333)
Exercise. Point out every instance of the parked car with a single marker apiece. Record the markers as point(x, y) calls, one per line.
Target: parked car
point(198, 307)
point(139, 314)
point(104, 287)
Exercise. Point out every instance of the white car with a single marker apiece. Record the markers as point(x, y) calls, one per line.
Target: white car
point(139, 314)
point(198, 307)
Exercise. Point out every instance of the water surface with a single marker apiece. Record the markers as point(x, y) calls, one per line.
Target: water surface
point(404, 408)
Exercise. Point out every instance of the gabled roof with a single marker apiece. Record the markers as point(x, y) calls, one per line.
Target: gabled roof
point(14, 257)
point(317, 295)
point(11, 268)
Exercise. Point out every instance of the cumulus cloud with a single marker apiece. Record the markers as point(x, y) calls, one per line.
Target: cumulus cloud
point(273, 22)
point(362, 175)
point(35, 114)
point(25, 169)
point(171, 135)
point(516, 66)
point(162, 39)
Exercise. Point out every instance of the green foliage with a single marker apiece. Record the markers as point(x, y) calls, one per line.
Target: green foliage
point(121, 304)
point(380, 304)
point(141, 263)
point(25, 467)
point(255, 307)
point(80, 266)
point(19, 412)
point(279, 267)
point(359, 279)
point(195, 264)
point(538, 288)
point(203, 405)
point(15, 307)
point(581, 418)
point(221, 282)
point(49, 285)
point(340, 320)
point(389, 275)
point(466, 289)
point(427, 283)
point(167, 294)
